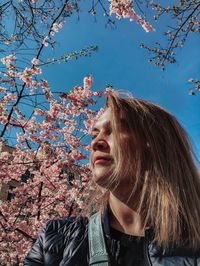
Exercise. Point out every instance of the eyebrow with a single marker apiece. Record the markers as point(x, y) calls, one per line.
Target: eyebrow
point(106, 124)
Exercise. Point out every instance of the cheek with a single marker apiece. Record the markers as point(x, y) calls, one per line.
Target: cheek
point(100, 176)
point(127, 143)
point(125, 137)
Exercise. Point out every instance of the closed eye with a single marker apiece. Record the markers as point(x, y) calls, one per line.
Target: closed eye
point(109, 130)
point(94, 136)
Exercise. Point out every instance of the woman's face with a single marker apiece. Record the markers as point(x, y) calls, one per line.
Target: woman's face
point(102, 155)
point(103, 159)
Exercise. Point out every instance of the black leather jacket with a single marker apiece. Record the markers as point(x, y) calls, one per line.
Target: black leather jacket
point(64, 242)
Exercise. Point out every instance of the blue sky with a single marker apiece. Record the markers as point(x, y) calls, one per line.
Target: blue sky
point(123, 64)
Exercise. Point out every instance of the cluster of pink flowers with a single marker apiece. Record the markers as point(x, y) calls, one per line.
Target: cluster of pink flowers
point(27, 75)
point(124, 9)
point(6, 100)
point(48, 151)
point(57, 26)
point(9, 97)
point(46, 193)
point(9, 60)
point(87, 83)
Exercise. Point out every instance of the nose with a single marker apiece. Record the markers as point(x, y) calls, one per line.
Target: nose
point(99, 144)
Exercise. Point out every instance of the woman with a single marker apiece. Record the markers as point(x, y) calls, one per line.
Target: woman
point(142, 160)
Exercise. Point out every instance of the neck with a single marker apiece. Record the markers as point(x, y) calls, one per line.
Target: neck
point(123, 216)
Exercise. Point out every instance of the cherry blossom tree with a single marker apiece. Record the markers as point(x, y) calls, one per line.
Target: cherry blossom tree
point(46, 160)
point(46, 163)
point(49, 129)
point(182, 17)
point(183, 21)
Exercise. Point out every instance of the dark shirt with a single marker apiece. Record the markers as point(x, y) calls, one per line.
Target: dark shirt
point(125, 249)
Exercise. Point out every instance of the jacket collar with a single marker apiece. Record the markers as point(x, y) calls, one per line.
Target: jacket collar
point(106, 220)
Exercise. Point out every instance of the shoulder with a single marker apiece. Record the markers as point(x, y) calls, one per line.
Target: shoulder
point(63, 224)
point(173, 251)
point(62, 233)
point(60, 230)
point(53, 238)
point(179, 255)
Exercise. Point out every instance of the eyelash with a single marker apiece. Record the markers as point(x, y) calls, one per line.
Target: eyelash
point(93, 136)
point(109, 131)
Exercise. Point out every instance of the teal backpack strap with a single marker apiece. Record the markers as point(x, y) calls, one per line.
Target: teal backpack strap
point(97, 249)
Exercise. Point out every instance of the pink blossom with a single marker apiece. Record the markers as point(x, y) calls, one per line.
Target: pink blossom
point(68, 7)
point(57, 26)
point(87, 84)
point(35, 84)
point(33, 138)
point(80, 156)
point(54, 109)
point(2, 89)
point(44, 85)
point(37, 70)
point(54, 137)
point(98, 93)
point(10, 96)
point(3, 119)
point(35, 61)
point(39, 111)
point(88, 148)
point(124, 9)
point(87, 124)
point(77, 183)
point(71, 129)
point(8, 60)
point(100, 112)
point(88, 81)
point(45, 43)
point(146, 26)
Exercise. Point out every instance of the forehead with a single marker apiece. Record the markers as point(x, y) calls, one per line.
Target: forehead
point(103, 121)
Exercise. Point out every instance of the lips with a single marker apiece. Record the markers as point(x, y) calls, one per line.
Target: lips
point(101, 160)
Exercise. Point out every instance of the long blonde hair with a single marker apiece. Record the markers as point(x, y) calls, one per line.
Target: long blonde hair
point(160, 163)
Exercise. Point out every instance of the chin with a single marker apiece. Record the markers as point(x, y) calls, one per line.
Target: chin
point(102, 178)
